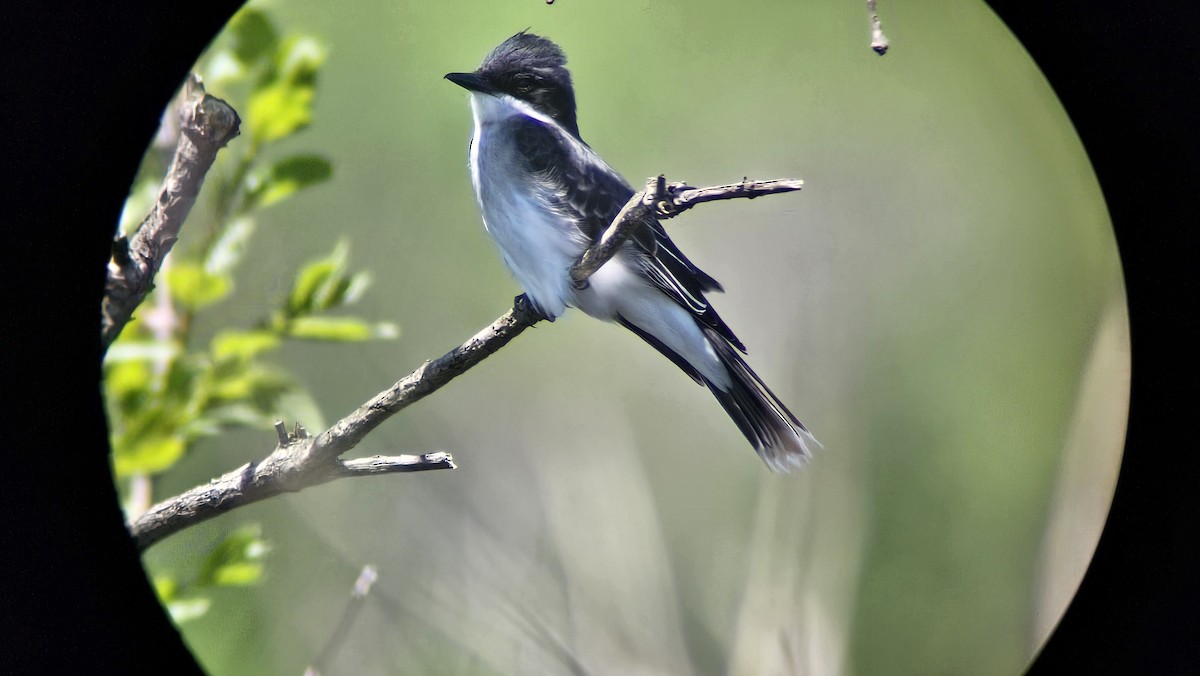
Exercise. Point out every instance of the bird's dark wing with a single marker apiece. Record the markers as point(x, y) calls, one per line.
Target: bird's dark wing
point(582, 186)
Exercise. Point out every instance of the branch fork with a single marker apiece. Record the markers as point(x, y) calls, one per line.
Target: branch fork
point(664, 200)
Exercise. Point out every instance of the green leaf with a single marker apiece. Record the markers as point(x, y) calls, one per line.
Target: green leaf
point(358, 285)
point(248, 382)
point(286, 177)
point(222, 69)
point(238, 574)
point(185, 387)
point(278, 110)
point(243, 345)
point(132, 350)
point(281, 105)
point(149, 453)
point(245, 383)
point(298, 59)
point(126, 383)
point(316, 282)
point(194, 288)
point(165, 587)
point(253, 35)
point(227, 251)
point(347, 329)
point(236, 560)
point(130, 377)
point(186, 610)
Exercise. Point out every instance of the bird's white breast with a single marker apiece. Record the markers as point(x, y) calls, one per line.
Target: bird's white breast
point(538, 245)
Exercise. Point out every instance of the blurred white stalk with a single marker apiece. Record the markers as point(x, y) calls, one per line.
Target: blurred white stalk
point(1088, 473)
point(623, 605)
point(800, 587)
point(162, 320)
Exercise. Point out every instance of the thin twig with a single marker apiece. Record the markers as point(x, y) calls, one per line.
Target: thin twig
point(686, 197)
point(664, 200)
point(206, 124)
point(300, 461)
point(362, 587)
point(879, 41)
point(387, 464)
point(253, 482)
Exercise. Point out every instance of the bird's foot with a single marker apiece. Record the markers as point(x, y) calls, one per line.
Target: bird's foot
point(525, 307)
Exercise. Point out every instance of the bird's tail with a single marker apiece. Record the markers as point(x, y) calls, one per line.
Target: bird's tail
point(779, 438)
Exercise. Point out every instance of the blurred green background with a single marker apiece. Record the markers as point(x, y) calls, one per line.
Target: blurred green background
point(942, 305)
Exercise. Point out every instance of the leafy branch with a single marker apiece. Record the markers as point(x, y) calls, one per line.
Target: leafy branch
point(164, 392)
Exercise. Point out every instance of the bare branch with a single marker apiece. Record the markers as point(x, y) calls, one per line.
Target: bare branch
point(879, 41)
point(206, 124)
point(300, 461)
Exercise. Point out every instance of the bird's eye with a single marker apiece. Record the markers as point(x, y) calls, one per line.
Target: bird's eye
point(523, 82)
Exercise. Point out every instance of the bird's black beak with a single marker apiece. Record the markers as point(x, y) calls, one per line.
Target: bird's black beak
point(471, 82)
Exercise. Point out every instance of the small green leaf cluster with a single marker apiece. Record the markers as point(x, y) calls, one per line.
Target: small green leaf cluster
point(236, 561)
point(322, 285)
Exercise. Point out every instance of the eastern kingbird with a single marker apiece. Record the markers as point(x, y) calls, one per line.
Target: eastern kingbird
point(546, 196)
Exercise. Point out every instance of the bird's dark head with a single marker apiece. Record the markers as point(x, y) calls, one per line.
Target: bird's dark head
point(530, 68)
